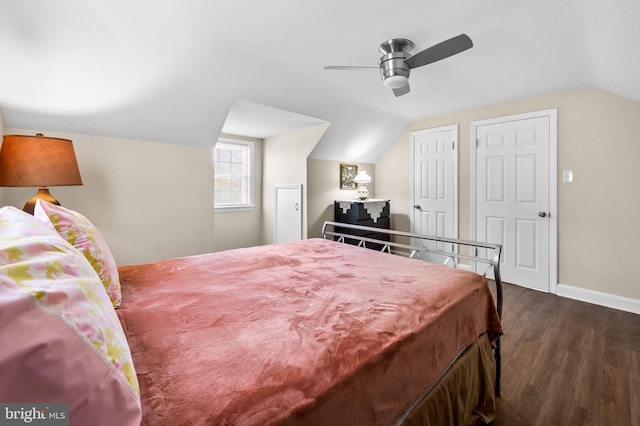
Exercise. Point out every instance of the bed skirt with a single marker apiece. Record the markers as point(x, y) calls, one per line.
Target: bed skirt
point(464, 395)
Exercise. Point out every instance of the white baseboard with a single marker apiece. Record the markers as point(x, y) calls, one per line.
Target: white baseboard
point(599, 298)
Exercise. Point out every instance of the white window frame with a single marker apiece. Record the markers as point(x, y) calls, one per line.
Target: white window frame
point(250, 173)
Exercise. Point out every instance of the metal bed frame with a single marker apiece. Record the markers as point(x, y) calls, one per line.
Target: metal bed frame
point(484, 253)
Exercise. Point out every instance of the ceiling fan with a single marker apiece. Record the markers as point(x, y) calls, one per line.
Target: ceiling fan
point(396, 62)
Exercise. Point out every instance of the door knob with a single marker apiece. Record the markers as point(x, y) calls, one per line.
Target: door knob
point(542, 214)
point(417, 207)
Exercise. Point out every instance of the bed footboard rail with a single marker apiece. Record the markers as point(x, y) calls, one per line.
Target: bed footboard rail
point(412, 245)
point(485, 253)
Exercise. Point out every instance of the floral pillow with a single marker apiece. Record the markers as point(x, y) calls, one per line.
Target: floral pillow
point(80, 232)
point(61, 338)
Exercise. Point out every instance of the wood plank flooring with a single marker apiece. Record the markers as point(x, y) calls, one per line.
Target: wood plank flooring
point(566, 362)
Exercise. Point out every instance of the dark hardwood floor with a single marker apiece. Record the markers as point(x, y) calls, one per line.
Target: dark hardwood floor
point(566, 362)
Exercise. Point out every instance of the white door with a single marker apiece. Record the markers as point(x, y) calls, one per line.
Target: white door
point(435, 185)
point(288, 226)
point(513, 201)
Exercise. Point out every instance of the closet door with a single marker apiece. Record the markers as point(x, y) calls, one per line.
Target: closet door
point(435, 186)
point(513, 201)
point(288, 221)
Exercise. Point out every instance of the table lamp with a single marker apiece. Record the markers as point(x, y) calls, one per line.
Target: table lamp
point(362, 179)
point(38, 161)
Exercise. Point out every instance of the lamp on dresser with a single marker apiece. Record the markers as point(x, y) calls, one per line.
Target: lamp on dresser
point(362, 179)
point(38, 161)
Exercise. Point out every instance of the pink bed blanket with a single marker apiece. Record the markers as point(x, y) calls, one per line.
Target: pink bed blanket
point(307, 332)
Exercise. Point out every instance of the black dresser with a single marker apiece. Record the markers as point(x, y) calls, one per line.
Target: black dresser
point(373, 213)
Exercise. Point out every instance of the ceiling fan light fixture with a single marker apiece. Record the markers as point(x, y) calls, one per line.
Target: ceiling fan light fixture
point(395, 81)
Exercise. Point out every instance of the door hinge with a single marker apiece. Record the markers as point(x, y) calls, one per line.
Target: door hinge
point(477, 142)
point(453, 146)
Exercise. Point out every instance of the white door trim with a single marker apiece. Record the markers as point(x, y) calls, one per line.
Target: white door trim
point(553, 182)
point(454, 129)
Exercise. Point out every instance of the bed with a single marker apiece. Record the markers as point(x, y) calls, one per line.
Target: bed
point(307, 332)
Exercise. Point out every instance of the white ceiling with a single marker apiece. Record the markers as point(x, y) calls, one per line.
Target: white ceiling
point(173, 71)
point(260, 121)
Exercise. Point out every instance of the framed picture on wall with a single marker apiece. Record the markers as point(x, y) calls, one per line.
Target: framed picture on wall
point(348, 173)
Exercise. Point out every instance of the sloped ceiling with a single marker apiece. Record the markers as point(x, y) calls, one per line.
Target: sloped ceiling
point(172, 71)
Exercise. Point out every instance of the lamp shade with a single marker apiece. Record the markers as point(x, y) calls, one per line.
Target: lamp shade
point(38, 161)
point(362, 177)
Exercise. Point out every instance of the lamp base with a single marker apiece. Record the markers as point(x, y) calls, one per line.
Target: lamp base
point(43, 194)
point(362, 192)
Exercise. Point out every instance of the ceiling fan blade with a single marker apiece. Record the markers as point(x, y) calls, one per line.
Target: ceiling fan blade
point(338, 67)
point(401, 90)
point(440, 51)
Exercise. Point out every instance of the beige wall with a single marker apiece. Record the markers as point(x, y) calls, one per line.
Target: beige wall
point(235, 229)
point(599, 139)
point(323, 177)
point(285, 162)
point(150, 200)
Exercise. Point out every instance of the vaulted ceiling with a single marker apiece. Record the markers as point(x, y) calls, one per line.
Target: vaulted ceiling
point(172, 71)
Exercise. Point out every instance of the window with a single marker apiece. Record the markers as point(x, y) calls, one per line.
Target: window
point(233, 165)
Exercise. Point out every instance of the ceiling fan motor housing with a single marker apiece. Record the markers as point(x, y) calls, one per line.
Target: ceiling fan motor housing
point(393, 65)
point(393, 68)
